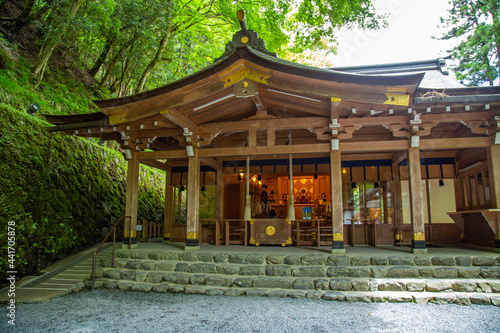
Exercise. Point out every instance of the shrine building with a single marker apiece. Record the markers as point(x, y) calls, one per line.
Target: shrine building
point(290, 155)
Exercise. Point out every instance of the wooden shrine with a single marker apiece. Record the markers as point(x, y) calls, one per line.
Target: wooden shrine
point(343, 158)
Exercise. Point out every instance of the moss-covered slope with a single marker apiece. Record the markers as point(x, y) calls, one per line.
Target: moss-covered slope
point(61, 191)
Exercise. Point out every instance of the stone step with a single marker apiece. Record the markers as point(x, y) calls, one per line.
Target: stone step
point(302, 282)
point(462, 298)
point(263, 268)
point(311, 259)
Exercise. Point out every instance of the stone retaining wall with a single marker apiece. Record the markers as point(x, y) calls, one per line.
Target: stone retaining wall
point(421, 279)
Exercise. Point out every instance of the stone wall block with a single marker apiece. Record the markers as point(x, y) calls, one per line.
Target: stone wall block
point(228, 269)
point(439, 285)
point(340, 284)
point(401, 261)
point(334, 296)
point(335, 260)
point(484, 261)
point(490, 272)
point(363, 285)
point(310, 271)
point(379, 261)
point(359, 272)
point(198, 279)
point(178, 278)
point(252, 270)
point(278, 270)
point(202, 268)
point(303, 284)
point(463, 261)
point(154, 277)
point(205, 257)
point(243, 282)
point(220, 257)
point(446, 272)
point(391, 286)
point(275, 259)
point(443, 261)
point(292, 260)
point(128, 275)
point(220, 281)
point(272, 282)
point(402, 272)
point(314, 260)
point(422, 261)
point(337, 271)
point(360, 261)
point(469, 273)
point(167, 266)
point(465, 286)
point(256, 259)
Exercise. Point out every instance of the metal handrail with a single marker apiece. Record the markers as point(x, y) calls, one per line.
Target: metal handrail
point(113, 230)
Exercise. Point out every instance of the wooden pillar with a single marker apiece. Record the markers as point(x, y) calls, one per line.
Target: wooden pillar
point(248, 199)
point(291, 197)
point(494, 176)
point(219, 200)
point(416, 202)
point(168, 216)
point(193, 203)
point(131, 202)
point(337, 209)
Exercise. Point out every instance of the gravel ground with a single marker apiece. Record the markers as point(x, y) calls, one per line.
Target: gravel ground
point(119, 311)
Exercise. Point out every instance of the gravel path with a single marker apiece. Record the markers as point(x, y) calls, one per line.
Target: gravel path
point(119, 311)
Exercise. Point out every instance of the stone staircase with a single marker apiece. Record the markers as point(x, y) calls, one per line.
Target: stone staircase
point(439, 279)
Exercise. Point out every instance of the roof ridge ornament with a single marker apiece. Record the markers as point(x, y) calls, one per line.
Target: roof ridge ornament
point(245, 37)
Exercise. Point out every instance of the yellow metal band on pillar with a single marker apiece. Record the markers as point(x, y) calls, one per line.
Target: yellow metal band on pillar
point(338, 236)
point(257, 244)
point(397, 236)
point(192, 235)
point(497, 235)
point(419, 236)
point(336, 99)
point(252, 240)
point(166, 235)
point(127, 233)
point(252, 221)
point(245, 73)
point(289, 240)
point(397, 99)
point(288, 221)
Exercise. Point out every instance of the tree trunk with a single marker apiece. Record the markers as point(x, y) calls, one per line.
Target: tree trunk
point(111, 65)
point(152, 65)
point(102, 57)
point(21, 19)
point(52, 41)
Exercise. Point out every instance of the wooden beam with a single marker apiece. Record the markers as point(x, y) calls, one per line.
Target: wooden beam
point(252, 137)
point(493, 152)
point(399, 157)
point(155, 164)
point(454, 143)
point(169, 204)
point(211, 162)
point(179, 119)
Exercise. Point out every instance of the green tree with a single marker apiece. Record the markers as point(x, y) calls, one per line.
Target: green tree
point(477, 23)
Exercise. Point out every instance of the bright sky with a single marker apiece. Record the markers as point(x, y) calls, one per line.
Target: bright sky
point(407, 38)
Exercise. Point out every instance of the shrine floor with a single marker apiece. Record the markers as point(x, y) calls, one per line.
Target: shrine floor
point(361, 250)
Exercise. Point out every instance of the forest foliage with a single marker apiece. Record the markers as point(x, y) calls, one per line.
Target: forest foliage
point(64, 192)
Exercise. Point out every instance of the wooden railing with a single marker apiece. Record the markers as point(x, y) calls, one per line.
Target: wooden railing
point(113, 230)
